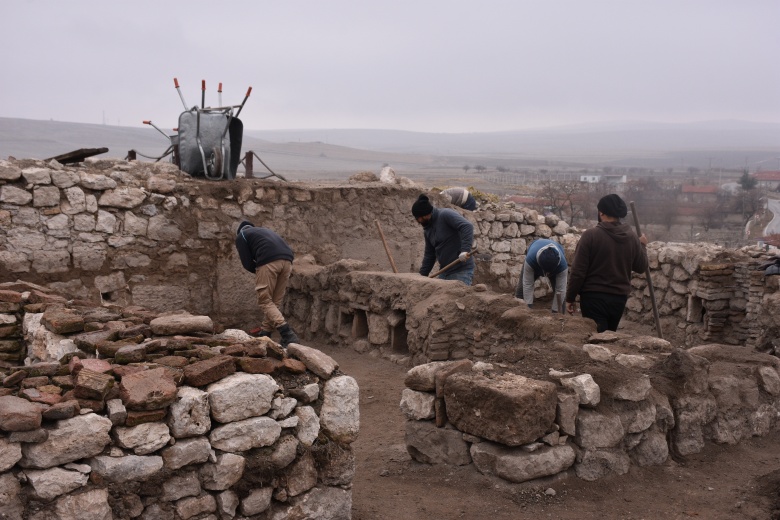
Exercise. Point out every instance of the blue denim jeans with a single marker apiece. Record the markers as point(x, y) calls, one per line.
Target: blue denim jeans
point(461, 275)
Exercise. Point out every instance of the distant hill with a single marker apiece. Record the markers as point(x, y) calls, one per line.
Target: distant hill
point(313, 153)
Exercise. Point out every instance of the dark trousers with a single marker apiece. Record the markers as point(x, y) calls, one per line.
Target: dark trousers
point(470, 204)
point(603, 308)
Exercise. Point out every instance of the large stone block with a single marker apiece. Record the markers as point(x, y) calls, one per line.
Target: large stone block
point(518, 465)
point(508, 408)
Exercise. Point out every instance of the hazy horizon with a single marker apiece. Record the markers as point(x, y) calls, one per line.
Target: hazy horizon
point(440, 66)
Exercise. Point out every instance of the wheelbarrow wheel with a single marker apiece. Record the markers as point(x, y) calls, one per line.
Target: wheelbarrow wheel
point(214, 164)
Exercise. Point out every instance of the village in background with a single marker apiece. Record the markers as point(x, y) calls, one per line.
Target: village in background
point(721, 185)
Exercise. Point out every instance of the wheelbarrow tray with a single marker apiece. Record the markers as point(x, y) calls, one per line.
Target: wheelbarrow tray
point(214, 140)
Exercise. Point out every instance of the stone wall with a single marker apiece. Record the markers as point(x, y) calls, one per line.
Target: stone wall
point(122, 413)
point(147, 234)
point(597, 421)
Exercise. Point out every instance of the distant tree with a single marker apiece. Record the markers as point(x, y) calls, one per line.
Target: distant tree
point(480, 168)
point(466, 168)
point(501, 169)
point(565, 199)
point(747, 181)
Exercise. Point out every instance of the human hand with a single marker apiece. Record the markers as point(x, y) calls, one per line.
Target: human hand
point(463, 256)
point(643, 239)
point(571, 307)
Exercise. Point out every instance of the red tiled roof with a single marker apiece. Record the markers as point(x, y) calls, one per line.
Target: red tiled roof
point(767, 176)
point(697, 188)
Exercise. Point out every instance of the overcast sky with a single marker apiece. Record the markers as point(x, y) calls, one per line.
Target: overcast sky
point(418, 65)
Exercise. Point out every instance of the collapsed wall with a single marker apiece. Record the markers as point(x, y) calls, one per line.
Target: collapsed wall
point(122, 413)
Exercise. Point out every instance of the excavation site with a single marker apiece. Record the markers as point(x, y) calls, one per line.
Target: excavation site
point(135, 385)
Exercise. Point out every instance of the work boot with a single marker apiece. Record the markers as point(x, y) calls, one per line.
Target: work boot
point(288, 335)
point(260, 333)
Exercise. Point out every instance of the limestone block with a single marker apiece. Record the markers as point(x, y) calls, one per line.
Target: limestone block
point(70, 440)
point(301, 475)
point(566, 413)
point(14, 262)
point(508, 408)
point(122, 197)
point(18, 415)
point(106, 222)
point(181, 485)
point(692, 412)
point(226, 471)
point(10, 453)
point(768, 380)
point(162, 229)
point(417, 405)
point(91, 505)
point(586, 389)
point(308, 425)
point(51, 261)
point(340, 413)
point(9, 172)
point(315, 360)
point(431, 445)
point(634, 416)
point(598, 352)
point(243, 435)
point(183, 324)
point(188, 451)
point(37, 176)
point(14, 195)
point(378, 329)
point(193, 506)
point(51, 483)
point(598, 430)
point(143, 439)
point(518, 465)
point(599, 463)
point(96, 181)
point(322, 503)
point(11, 505)
point(240, 396)
point(227, 503)
point(257, 501)
point(127, 468)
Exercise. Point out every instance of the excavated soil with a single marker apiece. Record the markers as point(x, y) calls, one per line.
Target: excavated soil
point(721, 482)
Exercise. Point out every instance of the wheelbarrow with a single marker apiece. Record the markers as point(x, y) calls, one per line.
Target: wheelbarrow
point(208, 139)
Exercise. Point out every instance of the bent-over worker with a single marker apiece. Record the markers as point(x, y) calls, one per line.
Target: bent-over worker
point(544, 258)
point(266, 254)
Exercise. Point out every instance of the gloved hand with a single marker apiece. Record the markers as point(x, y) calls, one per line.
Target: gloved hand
point(462, 257)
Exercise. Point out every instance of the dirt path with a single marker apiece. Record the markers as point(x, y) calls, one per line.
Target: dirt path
point(722, 482)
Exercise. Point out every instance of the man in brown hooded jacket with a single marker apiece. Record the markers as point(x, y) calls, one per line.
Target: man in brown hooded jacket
point(603, 261)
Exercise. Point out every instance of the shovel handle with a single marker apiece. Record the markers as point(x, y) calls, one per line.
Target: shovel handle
point(452, 264)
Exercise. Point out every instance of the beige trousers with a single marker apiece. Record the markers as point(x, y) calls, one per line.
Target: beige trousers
point(271, 283)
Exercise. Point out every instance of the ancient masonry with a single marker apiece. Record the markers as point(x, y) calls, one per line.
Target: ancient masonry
point(120, 413)
point(140, 234)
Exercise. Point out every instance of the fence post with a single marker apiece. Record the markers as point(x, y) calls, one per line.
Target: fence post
point(131, 155)
point(249, 157)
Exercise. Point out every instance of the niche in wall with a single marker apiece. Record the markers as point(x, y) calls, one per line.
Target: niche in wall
point(359, 324)
point(695, 310)
point(398, 337)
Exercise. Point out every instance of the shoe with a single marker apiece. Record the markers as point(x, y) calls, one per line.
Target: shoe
point(288, 335)
point(259, 333)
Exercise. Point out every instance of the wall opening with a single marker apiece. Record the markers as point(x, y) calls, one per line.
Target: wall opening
point(360, 324)
point(345, 324)
point(695, 310)
point(398, 337)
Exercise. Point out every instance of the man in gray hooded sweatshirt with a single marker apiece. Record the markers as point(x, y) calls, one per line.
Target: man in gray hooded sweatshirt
point(603, 261)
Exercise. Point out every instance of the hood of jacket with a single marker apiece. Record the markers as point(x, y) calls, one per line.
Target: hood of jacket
point(617, 231)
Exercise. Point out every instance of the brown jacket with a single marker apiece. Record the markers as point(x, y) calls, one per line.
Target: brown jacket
point(604, 259)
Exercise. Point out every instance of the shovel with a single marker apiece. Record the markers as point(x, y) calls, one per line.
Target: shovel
point(452, 264)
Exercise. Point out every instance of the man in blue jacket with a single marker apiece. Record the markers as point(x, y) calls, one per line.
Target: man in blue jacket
point(266, 254)
point(448, 237)
point(546, 258)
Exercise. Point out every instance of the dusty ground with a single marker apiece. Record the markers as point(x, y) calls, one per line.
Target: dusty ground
point(722, 482)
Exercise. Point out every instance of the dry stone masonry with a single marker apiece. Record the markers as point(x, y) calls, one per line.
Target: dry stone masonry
point(124, 413)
